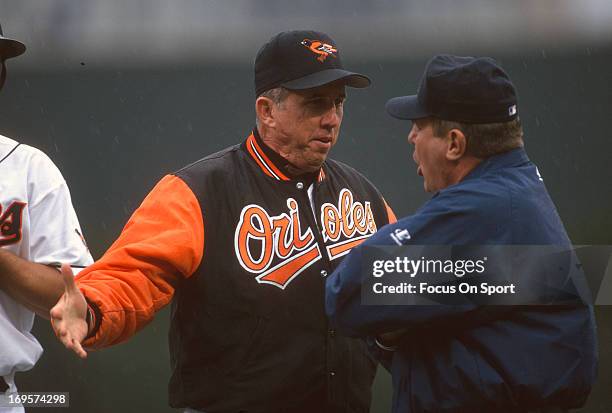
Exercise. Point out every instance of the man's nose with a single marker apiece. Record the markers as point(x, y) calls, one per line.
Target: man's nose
point(331, 118)
point(412, 135)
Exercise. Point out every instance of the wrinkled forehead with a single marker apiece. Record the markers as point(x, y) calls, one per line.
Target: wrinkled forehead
point(422, 122)
point(331, 90)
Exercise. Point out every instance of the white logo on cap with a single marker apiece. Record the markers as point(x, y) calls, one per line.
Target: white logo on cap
point(512, 110)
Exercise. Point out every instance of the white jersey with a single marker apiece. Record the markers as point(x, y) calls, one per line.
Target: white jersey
point(37, 223)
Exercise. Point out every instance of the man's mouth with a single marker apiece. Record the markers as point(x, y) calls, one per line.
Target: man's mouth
point(419, 170)
point(323, 143)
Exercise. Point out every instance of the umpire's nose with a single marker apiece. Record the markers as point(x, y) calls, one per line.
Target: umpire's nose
point(412, 134)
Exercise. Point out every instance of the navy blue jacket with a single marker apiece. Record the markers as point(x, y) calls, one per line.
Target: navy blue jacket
point(468, 358)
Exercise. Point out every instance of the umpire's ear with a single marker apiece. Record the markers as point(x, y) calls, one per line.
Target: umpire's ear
point(457, 144)
point(264, 108)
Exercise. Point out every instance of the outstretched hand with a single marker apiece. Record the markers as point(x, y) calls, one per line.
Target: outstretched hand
point(69, 315)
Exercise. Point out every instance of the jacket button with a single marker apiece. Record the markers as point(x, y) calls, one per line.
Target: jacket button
point(299, 185)
point(323, 273)
point(332, 373)
point(332, 333)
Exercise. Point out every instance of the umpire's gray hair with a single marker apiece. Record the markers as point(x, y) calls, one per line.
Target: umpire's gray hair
point(486, 139)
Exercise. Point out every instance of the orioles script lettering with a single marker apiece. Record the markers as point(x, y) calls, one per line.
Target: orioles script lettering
point(277, 248)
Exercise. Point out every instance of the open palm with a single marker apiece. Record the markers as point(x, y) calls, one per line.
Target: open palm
point(68, 316)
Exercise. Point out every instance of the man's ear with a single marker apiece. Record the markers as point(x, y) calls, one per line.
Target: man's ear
point(264, 108)
point(457, 145)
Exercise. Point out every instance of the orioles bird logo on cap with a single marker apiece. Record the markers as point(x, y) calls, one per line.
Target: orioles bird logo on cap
point(320, 48)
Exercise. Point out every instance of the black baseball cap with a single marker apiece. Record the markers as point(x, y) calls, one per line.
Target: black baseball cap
point(301, 59)
point(460, 89)
point(10, 47)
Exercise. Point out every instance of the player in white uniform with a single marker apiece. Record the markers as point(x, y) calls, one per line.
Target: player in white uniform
point(38, 228)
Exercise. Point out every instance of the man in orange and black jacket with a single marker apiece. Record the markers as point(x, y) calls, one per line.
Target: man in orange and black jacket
point(241, 242)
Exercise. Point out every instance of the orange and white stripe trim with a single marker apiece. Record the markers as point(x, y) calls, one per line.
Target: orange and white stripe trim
point(263, 161)
point(321, 175)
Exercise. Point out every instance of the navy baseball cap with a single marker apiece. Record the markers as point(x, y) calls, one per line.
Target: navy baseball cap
point(301, 59)
point(460, 89)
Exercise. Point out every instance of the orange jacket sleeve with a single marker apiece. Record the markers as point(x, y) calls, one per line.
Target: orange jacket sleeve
point(162, 242)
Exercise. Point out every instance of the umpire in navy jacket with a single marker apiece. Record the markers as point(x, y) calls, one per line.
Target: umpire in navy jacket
point(468, 147)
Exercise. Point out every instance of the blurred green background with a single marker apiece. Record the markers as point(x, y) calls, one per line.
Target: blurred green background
point(115, 133)
point(115, 129)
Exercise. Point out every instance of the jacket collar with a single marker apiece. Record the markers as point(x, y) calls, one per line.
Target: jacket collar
point(273, 164)
point(512, 158)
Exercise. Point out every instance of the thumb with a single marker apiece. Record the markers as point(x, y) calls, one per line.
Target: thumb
point(68, 277)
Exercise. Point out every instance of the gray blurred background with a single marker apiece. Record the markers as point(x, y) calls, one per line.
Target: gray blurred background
point(121, 92)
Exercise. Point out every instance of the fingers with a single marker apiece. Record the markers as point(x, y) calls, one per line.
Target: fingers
point(66, 318)
point(77, 348)
point(68, 277)
point(56, 313)
point(70, 342)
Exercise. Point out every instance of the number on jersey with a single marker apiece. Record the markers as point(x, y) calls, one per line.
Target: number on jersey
point(10, 223)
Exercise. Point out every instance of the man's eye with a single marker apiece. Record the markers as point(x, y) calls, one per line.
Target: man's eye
point(419, 124)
